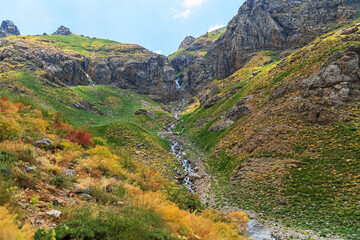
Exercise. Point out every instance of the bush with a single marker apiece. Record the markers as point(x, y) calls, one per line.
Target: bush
point(80, 137)
point(7, 157)
point(134, 224)
point(99, 141)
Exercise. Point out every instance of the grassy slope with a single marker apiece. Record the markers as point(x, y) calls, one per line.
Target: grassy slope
point(118, 105)
point(140, 204)
point(322, 191)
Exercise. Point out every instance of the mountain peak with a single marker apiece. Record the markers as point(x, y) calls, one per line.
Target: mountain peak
point(62, 30)
point(8, 28)
point(187, 42)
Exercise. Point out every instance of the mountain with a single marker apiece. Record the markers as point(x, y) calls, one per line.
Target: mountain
point(8, 28)
point(69, 60)
point(276, 25)
point(281, 136)
point(190, 63)
point(249, 131)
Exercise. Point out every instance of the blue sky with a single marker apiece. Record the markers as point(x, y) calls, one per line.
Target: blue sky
point(159, 25)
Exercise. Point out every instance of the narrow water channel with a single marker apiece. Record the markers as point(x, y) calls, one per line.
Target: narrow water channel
point(178, 150)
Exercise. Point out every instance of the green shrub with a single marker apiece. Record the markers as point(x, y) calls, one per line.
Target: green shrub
point(7, 157)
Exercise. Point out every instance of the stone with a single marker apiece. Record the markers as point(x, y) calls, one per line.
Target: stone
point(141, 112)
point(43, 143)
point(55, 202)
point(54, 213)
point(258, 231)
point(86, 197)
point(268, 62)
point(211, 102)
point(87, 106)
point(348, 31)
point(29, 169)
point(62, 31)
point(194, 176)
point(5, 172)
point(109, 188)
point(68, 172)
point(256, 73)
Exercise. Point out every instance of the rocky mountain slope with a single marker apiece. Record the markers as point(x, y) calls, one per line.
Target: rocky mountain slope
point(276, 25)
point(281, 135)
point(71, 60)
point(190, 63)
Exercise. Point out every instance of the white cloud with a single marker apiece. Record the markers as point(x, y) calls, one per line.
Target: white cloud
point(192, 3)
point(159, 52)
point(215, 27)
point(188, 5)
point(182, 14)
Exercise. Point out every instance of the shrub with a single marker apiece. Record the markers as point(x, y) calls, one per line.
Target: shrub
point(9, 230)
point(80, 137)
point(7, 157)
point(99, 141)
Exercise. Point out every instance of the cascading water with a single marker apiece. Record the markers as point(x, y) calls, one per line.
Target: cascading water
point(177, 149)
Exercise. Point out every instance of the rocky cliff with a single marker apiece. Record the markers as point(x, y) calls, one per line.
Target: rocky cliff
point(278, 25)
point(190, 64)
point(128, 66)
point(8, 28)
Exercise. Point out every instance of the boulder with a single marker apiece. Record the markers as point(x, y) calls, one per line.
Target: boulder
point(258, 231)
point(141, 112)
point(43, 143)
point(87, 106)
point(211, 102)
point(54, 213)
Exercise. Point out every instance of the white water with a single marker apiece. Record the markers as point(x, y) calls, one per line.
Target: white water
point(177, 149)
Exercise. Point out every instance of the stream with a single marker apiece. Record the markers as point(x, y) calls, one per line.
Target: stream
point(177, 150)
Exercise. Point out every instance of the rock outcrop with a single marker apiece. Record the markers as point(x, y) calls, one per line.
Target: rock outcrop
point(276, 24)
point(8, 28)
point(62, 31)
point(186, 42)
point(128, 66)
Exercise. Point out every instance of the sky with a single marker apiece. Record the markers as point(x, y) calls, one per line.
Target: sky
point(159, 25)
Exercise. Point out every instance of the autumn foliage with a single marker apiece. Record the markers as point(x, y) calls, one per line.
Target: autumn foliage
point(80, 137)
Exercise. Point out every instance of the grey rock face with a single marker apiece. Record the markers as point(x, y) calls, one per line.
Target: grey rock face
point(278, 25)
point(8, 28)
point(258, 231)
point(62, 30)
point(132, 67)
point(186, 42)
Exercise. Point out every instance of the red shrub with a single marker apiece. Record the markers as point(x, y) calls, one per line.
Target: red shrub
point(80, 137)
